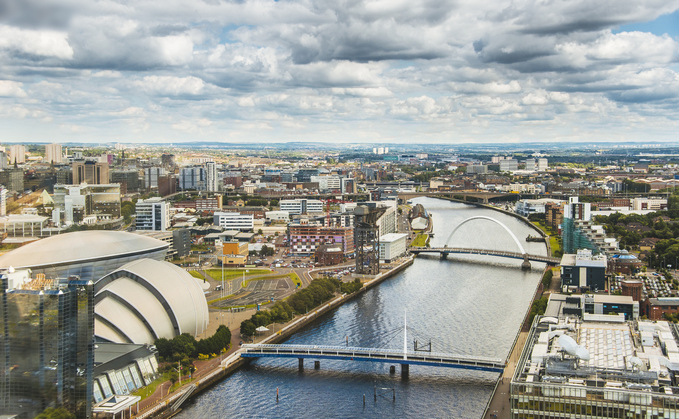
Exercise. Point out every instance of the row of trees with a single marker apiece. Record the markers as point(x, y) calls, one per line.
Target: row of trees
point(319, 291)
point(186, 346)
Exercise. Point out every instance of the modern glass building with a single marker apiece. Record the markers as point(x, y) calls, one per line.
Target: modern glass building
point(47, 346)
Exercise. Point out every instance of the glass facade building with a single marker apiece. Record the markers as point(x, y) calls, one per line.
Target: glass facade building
point(47, 347)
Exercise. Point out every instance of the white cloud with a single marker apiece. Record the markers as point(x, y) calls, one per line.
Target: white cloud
point(172, 86)
point(9, 88)
point(44, 43)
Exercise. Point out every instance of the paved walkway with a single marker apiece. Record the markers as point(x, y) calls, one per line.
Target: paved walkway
point(499, 405)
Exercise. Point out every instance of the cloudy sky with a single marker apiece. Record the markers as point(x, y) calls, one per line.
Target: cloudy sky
point(343, 71)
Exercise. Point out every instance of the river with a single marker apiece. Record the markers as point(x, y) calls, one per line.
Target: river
point(465, 308)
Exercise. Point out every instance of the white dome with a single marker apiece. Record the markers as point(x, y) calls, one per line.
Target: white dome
point(148, 299)
point(79, 247)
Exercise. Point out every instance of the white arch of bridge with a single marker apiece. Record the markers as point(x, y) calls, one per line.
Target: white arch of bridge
point(483, 217)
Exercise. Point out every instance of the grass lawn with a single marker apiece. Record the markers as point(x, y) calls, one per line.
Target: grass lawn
point(145, 392)
point(553, 237)
point(196, 274)
point(420, 240)
point(234, 273)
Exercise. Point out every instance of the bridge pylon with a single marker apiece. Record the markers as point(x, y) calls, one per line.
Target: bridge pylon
point(525, 265)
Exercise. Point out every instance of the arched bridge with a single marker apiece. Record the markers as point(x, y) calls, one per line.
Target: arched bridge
point(521, 254)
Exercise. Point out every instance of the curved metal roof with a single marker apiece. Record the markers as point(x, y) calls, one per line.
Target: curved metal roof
point(80, 246)
point(158, 297)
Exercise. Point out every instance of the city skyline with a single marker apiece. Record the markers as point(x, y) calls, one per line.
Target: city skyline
point(361, 72)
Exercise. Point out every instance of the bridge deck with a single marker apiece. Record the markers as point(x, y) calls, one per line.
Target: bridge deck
point(513, 255)
point(372, 355)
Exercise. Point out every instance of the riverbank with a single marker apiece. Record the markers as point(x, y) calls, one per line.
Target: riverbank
point(164, 408)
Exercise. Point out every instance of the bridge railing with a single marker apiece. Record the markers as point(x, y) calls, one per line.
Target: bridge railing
point(320, 349)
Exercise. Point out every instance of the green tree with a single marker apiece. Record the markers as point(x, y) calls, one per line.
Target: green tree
point(55, 413)
point(247, 328)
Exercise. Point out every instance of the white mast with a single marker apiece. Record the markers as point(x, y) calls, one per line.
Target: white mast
point(405, 334)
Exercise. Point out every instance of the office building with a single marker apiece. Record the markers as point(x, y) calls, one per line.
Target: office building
point(651, 204)
point(583, 271)
point(167, 185)
point(327, 183)
point(47, 351)
point(509, 165)
point(306, 238)
point(211, 179)
point(151, 176)
point(90, 172)
point(531, 165)
point(234, 221)
point(181, 242)
point(392, 246)
point(304, 175)
point(234, 252)
point(53, 154)
point(17, 154)
point(601, 367)
point(3, 201)
point(128, 180)
point(585, 305)
point(13, 180)
point(192, 178)
point(152, 214)
point(477, 169)
point(301, 206)
point(4, 161)
point(75, 202)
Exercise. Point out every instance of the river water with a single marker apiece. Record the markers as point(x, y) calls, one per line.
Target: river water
point(465, 308)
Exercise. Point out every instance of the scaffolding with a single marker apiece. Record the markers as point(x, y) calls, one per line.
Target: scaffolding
point(367, 240)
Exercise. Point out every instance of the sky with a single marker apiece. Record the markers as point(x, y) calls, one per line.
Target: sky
point(339, 71)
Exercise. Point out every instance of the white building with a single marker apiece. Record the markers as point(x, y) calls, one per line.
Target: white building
point(392, 246)
point(211, 183)
point(531, 165)
point(17, 154)
point(53, 153)
point(327, 183)
point(653, 204)
point(527, 207)
point(542, 165)
point(273, 216)
point(509, 165)
point(3, 201)
point(301, 206)
point(152, 214)
point(234, 221)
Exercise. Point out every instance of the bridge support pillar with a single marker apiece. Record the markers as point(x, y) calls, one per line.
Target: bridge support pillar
point(405, 371)
point(301, 364)
point(525, 265)
point(444, 255)
point(317, 365)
